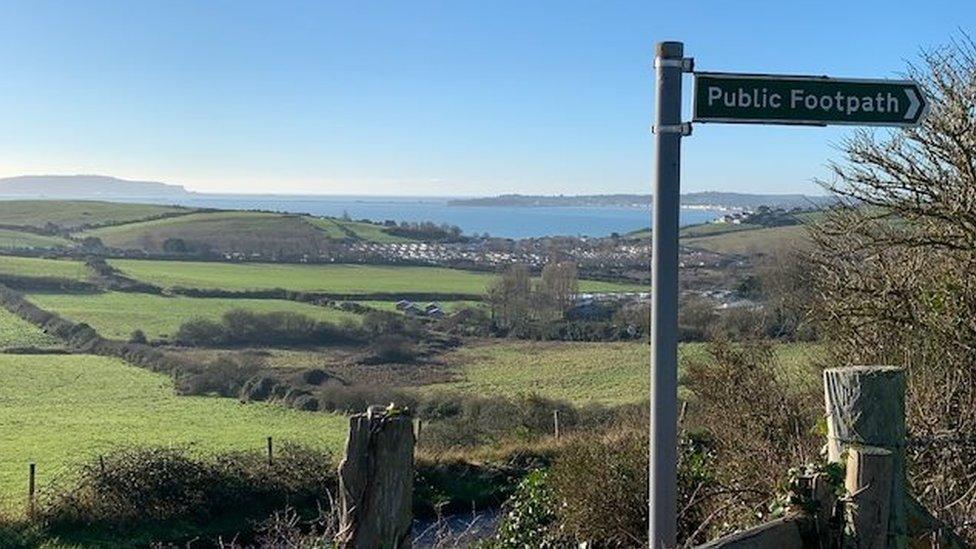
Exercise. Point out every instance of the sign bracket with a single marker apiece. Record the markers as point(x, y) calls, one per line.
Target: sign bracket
point(686, 64)
point(683, 129)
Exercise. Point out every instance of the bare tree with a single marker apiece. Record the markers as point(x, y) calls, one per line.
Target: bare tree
point(510, 296)
point(556, 289)
point(894, 279)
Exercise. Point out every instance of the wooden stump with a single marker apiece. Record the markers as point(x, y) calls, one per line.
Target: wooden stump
point(376, 481)
point(868, 485)
point(866, 408)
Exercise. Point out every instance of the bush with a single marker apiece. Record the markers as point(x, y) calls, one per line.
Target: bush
point(466, 421)
point(166, 484)
point(315, 376)
point(601, 486)
point(758, 422)
point(529, 517)
point(381, 323)
point(138, 336)
point(392, 348)
point(224, 376)
point(242, 327)
point(200, 332)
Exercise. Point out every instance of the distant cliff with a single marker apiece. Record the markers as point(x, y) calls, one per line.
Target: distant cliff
point(84, 186)
point(722, 200)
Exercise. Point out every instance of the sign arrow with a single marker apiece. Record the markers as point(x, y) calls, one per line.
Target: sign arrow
point(913, 104)
point(806, 100)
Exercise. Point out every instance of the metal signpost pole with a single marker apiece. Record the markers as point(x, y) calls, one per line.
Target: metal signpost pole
point(728, 98)
point(668, 130)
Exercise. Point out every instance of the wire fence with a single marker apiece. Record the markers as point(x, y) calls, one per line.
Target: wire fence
point(23, 482)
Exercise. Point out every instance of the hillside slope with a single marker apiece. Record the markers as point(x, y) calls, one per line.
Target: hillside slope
point(79, 214)
point(85, 186)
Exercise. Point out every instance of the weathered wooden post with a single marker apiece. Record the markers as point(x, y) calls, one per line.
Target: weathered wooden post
point(31, 493)
point(376, 480)
point(866, 418)
point(868, 484)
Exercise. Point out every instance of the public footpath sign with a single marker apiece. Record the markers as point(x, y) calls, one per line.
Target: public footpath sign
point(728, 98)
point(806, 100)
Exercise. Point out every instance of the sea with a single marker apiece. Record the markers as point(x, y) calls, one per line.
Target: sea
point(498, 221)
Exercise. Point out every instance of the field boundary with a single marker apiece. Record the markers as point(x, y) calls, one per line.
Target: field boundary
point(319, 297)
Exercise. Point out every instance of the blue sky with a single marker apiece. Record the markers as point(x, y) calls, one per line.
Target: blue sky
point(419, 97)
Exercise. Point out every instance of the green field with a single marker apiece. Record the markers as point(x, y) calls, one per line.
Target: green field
point(32, 266)
point(752, 241)
point(116, 315)
point(13, 240)
point(72, 214)
point(608, 373)
point(16, 332)
point(709, 229)
point(338, 228)
point(60, 410)
point(340, 279)
point(230, 231)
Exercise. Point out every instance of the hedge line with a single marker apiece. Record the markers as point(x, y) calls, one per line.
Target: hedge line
point(322, 297)
point(47, 284)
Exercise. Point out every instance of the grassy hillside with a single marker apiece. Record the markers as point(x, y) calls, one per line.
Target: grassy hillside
point(351, 279)
point(15, 332)
point(30, 266)
point(751, 241)
point(116, 315)
point(337, 228)
point(609, 373)
point(230, 231)
point(59, 410)
point(13, 240)
point(72, 214)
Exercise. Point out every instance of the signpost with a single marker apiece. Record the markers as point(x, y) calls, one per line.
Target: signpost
point(729, 98)
point(806, 100)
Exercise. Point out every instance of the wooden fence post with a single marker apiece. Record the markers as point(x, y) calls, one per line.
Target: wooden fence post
point(32, 470)
point(270, 452)
point(555, 423)
point(868, 485)
point(376, 481)
point(866, 408)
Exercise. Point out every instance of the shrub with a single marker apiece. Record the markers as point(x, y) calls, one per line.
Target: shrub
point(200, 332)
point(601, 486)
point(138, 336)
point(392, 348)
point(241, 327)
point(224, 376)
point(529, 517)
point(169, 484)
point(756, 421)
point(258, 388)
point(466, 421)
point(315, 376)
